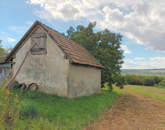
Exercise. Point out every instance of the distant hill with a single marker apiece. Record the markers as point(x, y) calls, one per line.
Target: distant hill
point(158, 72)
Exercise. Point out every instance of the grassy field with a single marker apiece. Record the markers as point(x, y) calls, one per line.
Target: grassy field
point(154, 92)
point(70, 114)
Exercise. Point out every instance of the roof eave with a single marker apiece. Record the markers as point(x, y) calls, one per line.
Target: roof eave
point(88, 65)
point(9, 56)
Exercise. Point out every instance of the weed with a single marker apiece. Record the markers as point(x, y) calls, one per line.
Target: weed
point(28, 111)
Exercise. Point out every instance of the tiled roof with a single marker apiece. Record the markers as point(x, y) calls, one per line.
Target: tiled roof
point(75, 52)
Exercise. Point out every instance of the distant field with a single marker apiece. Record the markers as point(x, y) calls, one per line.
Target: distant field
point(156, 72)
point(156, 93)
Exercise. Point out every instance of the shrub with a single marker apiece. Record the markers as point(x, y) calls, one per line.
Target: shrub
point(162, 84)
point(120, 82)
point(28, 111)
point(133, 80)
point(148, 81)
point(105, 86)
point(11, 109)
point(157, 79)
point(9, 106)
point(15, 85)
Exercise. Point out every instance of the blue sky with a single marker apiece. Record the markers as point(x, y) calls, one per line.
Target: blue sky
point(140, 22)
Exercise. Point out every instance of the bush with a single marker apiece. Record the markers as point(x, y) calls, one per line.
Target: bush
point(15, 85)
point(162, 84)
point(105, 87)
point(120, 82)
point(28, 111)
point(9, 107)
point(133, 80)
point(148, 81)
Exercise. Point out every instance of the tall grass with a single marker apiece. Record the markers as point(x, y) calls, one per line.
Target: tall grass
point(40, 111)
point(13, 114)
point(69, 113)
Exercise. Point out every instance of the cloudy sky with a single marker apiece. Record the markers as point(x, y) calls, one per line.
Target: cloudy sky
point(141, 22)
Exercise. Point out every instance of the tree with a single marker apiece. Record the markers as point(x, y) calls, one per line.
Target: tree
point(104, 45)
point(3, 52)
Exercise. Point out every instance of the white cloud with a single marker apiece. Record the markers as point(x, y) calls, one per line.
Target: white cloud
point(21, 29)
point(18, 29)
point(132, 64)
point(9, 39)
point(151, 63)
point(160, 59)
point(141, 20)
point(139, 58)
point(29, 22)
point(125, 49)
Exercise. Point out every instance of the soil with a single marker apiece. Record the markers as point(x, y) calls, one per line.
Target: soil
point(132, 112)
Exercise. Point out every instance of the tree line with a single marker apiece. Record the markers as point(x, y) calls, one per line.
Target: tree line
point(132, 79)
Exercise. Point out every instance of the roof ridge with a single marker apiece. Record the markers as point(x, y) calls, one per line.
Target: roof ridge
point(76, 53)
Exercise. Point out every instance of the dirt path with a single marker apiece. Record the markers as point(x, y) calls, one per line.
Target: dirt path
point(132, 112)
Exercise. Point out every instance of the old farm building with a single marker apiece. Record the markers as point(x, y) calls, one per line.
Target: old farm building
point(58, 65)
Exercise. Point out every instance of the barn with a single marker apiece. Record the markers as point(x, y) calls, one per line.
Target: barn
point(55, 63)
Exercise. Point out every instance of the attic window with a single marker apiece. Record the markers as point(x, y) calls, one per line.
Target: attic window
point(38, 41)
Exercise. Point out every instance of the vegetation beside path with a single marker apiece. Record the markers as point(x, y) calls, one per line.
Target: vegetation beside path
point(36, 110)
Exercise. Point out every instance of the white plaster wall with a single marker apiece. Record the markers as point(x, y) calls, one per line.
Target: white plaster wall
point(50, 71)
point(83, 81)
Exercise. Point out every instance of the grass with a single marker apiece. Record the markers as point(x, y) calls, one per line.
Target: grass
point(74, 114)
point(70, 114)
point(154, 92)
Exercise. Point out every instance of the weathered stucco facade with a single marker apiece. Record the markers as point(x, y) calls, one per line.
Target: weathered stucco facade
point(54, 72)
point(49, 71)
point(83, 81)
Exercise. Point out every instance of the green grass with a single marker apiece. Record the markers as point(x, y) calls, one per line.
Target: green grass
point(156, 93)
point(153, 95)
point(70, 114)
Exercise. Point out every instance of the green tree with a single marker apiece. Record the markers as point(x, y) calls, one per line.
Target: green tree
point(3, 52)
point(104, 45)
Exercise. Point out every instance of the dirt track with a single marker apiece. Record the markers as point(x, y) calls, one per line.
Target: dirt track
point(132, 112)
